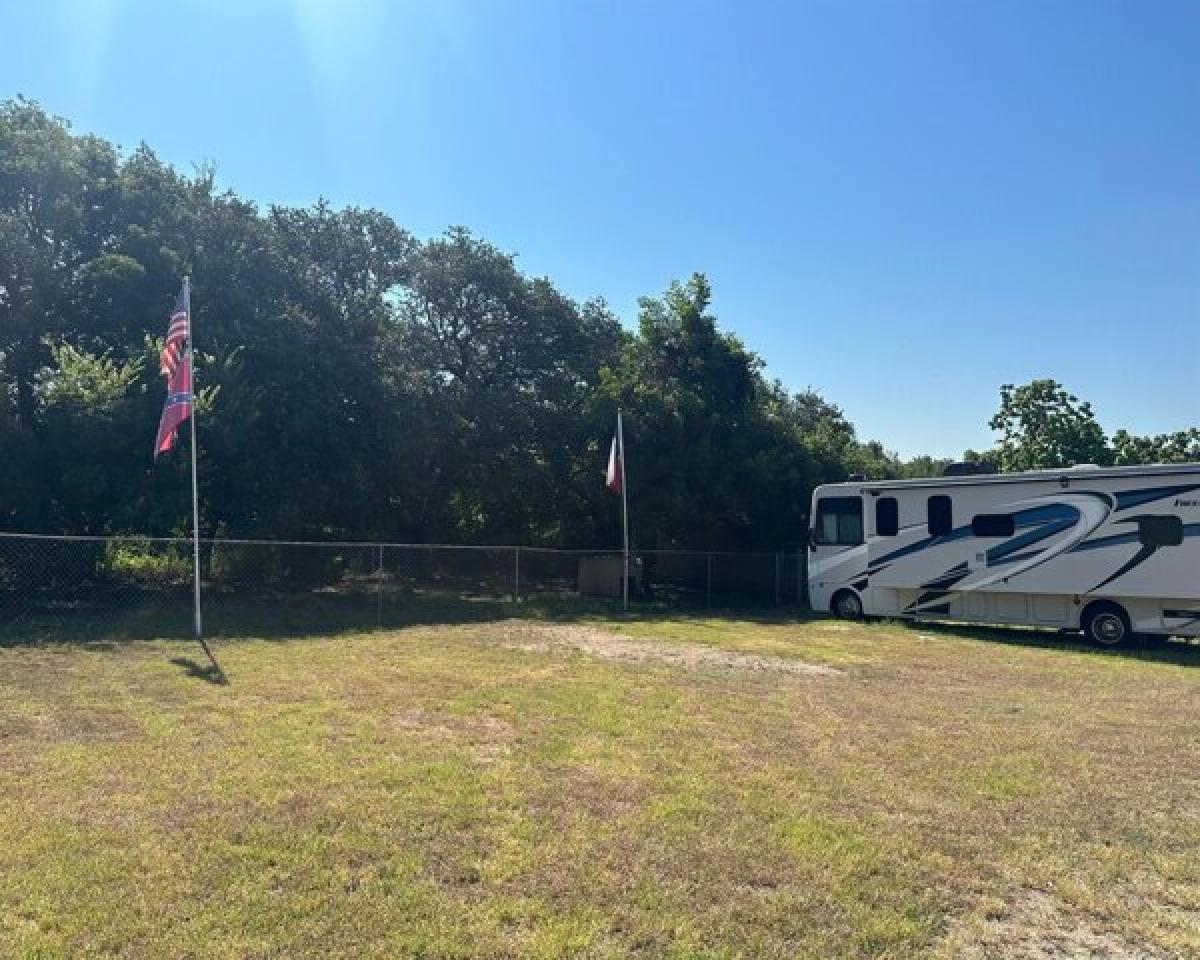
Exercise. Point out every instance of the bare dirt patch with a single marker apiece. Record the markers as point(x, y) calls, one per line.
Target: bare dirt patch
point(611, 646)
point(1035, 926)
point(487, 739)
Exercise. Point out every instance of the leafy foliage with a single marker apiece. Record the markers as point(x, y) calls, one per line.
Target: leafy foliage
point(1183, 446)
point(1045, 426)
point(1042, 425)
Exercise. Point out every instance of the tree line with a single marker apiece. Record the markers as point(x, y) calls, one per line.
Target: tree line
point(358, 382)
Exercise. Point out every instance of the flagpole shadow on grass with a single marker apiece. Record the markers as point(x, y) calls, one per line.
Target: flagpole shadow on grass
point(216, 669)
point(212, 674)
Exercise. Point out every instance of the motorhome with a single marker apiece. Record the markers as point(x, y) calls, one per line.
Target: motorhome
point(1114, 552)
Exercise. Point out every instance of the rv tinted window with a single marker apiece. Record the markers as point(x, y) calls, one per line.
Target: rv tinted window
point(941, 516)
point(1160, 531)
point(839, 521)
point(827, 529)
point(993, 525)
point(887, 517)
point(850, 525)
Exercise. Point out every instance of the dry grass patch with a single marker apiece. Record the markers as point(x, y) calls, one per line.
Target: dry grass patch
point(1035, 926)
point(678, 788)
point(605, 643)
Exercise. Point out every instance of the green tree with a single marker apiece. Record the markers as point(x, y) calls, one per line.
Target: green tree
point(926, 466)
point(1182, 446)
point(1044, 426)
point(56, 193)
point(714, 451)
point(85, 455)
point(500, 367)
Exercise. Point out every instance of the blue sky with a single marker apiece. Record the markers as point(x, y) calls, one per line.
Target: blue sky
point(901, 205)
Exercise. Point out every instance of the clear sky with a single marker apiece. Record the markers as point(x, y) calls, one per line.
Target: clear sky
point(901, 205)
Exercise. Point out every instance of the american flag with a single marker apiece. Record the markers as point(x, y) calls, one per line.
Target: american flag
point(177, 368)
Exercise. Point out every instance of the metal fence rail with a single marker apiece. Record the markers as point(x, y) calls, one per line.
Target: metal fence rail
point(60, 587)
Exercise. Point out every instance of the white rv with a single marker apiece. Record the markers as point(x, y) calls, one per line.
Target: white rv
point(1110, 551)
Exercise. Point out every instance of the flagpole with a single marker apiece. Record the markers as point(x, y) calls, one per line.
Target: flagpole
point(624, 515)
point(197, 623)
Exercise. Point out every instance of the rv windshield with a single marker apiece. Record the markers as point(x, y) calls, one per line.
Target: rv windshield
point(839, 521)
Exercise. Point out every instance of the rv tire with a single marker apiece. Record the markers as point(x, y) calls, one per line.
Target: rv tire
point(847, 605)
point(1107, 624)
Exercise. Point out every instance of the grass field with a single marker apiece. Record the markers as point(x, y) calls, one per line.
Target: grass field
point(674, 787)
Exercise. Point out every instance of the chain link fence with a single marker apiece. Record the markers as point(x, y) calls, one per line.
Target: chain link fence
point(70, 588)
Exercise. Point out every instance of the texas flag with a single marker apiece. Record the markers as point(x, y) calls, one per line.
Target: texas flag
point(615, 479)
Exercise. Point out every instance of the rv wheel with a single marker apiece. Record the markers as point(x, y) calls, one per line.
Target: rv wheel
point(1107, 624)
point(847, 605)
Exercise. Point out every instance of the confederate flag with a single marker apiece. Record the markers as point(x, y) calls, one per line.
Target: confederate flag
point(177, 368)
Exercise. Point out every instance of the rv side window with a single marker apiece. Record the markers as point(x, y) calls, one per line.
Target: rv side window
point(887, 517)
point(941, 516)
point(993, 525)
point(1160, 531)
point(839, 521)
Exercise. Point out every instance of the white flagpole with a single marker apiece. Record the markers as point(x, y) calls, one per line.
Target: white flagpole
point(624, 515)
point(197, 624)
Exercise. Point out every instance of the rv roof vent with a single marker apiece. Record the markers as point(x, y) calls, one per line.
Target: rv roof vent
point(968, 468)
point(856, 478)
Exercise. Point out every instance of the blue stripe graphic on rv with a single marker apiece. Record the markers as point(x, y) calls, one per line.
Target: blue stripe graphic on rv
point(958, 533)
point(1189, 530)
point(1135, 498)
point(1148, 548)
point(1101, 542)
point(1046, 520)
point(1008, 552)
point(939, 589)
point(947, 579)
point(1014, 558)
point(1037, 524)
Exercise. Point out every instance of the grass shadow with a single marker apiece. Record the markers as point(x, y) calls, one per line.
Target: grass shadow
point(330, 612)
point(1154, 649)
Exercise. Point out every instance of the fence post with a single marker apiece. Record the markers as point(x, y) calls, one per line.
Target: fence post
point(778, 557)
point(708, 581)
point(379, 589)
point(517, 575)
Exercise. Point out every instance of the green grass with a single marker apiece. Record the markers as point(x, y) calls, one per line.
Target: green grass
point(490, 789)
